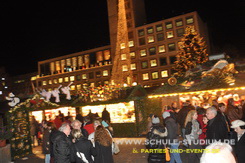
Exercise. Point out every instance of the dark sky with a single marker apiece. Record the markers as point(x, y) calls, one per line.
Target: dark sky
point(40, 30)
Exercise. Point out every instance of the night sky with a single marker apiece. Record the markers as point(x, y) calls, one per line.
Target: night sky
point(39, 30)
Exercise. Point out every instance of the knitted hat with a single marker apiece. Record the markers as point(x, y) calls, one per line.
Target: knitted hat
point(165, 114)
point(155, 120)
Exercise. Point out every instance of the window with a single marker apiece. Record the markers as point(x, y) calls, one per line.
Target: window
point(55, 81)
point(170, 34)
point(124, 67)
point(106, 82)
point(60, 80)
point(132, 54)
point(163, 61)
point(141, 32)
point(153, 62)
point(189, 20)
point(131, 43)
point(79, 86)
point(105, 73)
point(150, 30)
point(154, 75)
point(159, 27)
point(49, 82)
point(44, 82)
point(84, 76)
point(172, 59)
point(161, 49)
point(142, 41)
point(91, 75)
point(169, 25)
point(98, 74)
point(73, 87)
point(123, 46)
point(133, 66)
point(123, 57)
point(171, 47)
point(150, 39)
point(179, 23)
point(78, 77)
point(72, 78)
point(130, 35)
point(180, 32)
point(142, 52)
point(145, 76)
point(66, 79)
point(164, 73)
point(144, 64)
point(152, 51)
point(160, 37)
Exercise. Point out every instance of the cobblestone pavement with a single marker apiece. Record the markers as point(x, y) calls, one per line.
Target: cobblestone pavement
point(130, 152)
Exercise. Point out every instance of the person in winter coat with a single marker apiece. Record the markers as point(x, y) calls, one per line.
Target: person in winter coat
point(103, 146)
point(48, 127)
point(82, 149)
point(192, 132)
point(34, 129)
point(239, 127)
point(106, 116)
point(233, 112)
point(154, 137)
point(172, 136)
point(62, 144)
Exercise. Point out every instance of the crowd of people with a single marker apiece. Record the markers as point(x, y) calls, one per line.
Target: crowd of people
point(83, 140)
point(220, 126)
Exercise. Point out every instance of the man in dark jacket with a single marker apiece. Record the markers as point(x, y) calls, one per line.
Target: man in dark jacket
point(106, 116)
point(216, 128)
point(62, 144)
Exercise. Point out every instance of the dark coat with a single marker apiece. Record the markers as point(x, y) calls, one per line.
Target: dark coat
point(106, 116)
point(182, 115)
point(61, 147)
point(234, 113)
point(84, 146)
point(103, 154)
point(172, 128)
point(51, 137)
point(240, 149)
point(216, 129)
point(46, 141)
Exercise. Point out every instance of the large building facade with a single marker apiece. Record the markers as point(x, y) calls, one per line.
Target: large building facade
point(153, 50)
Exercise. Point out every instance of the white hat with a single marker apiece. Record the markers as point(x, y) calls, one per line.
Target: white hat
point(165, 114)
point(155, 120)
point(237, 123)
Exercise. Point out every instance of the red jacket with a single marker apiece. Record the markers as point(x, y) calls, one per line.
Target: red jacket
point(89, 128)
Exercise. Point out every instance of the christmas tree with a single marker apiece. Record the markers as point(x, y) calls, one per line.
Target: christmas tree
point(192, 51)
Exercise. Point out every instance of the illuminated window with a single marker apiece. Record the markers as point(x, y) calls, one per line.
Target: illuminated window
point(49, 81)
point(123, 46)
point(99, 56)
point(150, 39)
point(79, 87)
point(169, 25)
point(62, 63)
point(161, 49)
point(154, 75)
point(52, 67)
point(44, 82)
point(92, 84)
point(107, 55)
point(98, 74)
point(124, 68)
point(57, 64)
point(179, 22)
point(189, 20)
point(66, 79)
point(60, 80)
point(131, 43)
point(152, 51)
point(106, 82)
point(84, 76)
point(171, 47)
point(133, 66)
point(144, 64)
point(142, 52)
point(80, 61)
point(153, 62)
point(74, 63)
point(145, 76)
point(180, 32)
point(170, 34)
point(105, 73)
point(164, 73)
point(55, 81)
point(150, 30)
point(141, 32)
point(160, 37)
point(132, 54)
point(72, 78)
point(159, 27)
point(123, 57)
point(73, 87)
point(142, 41)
